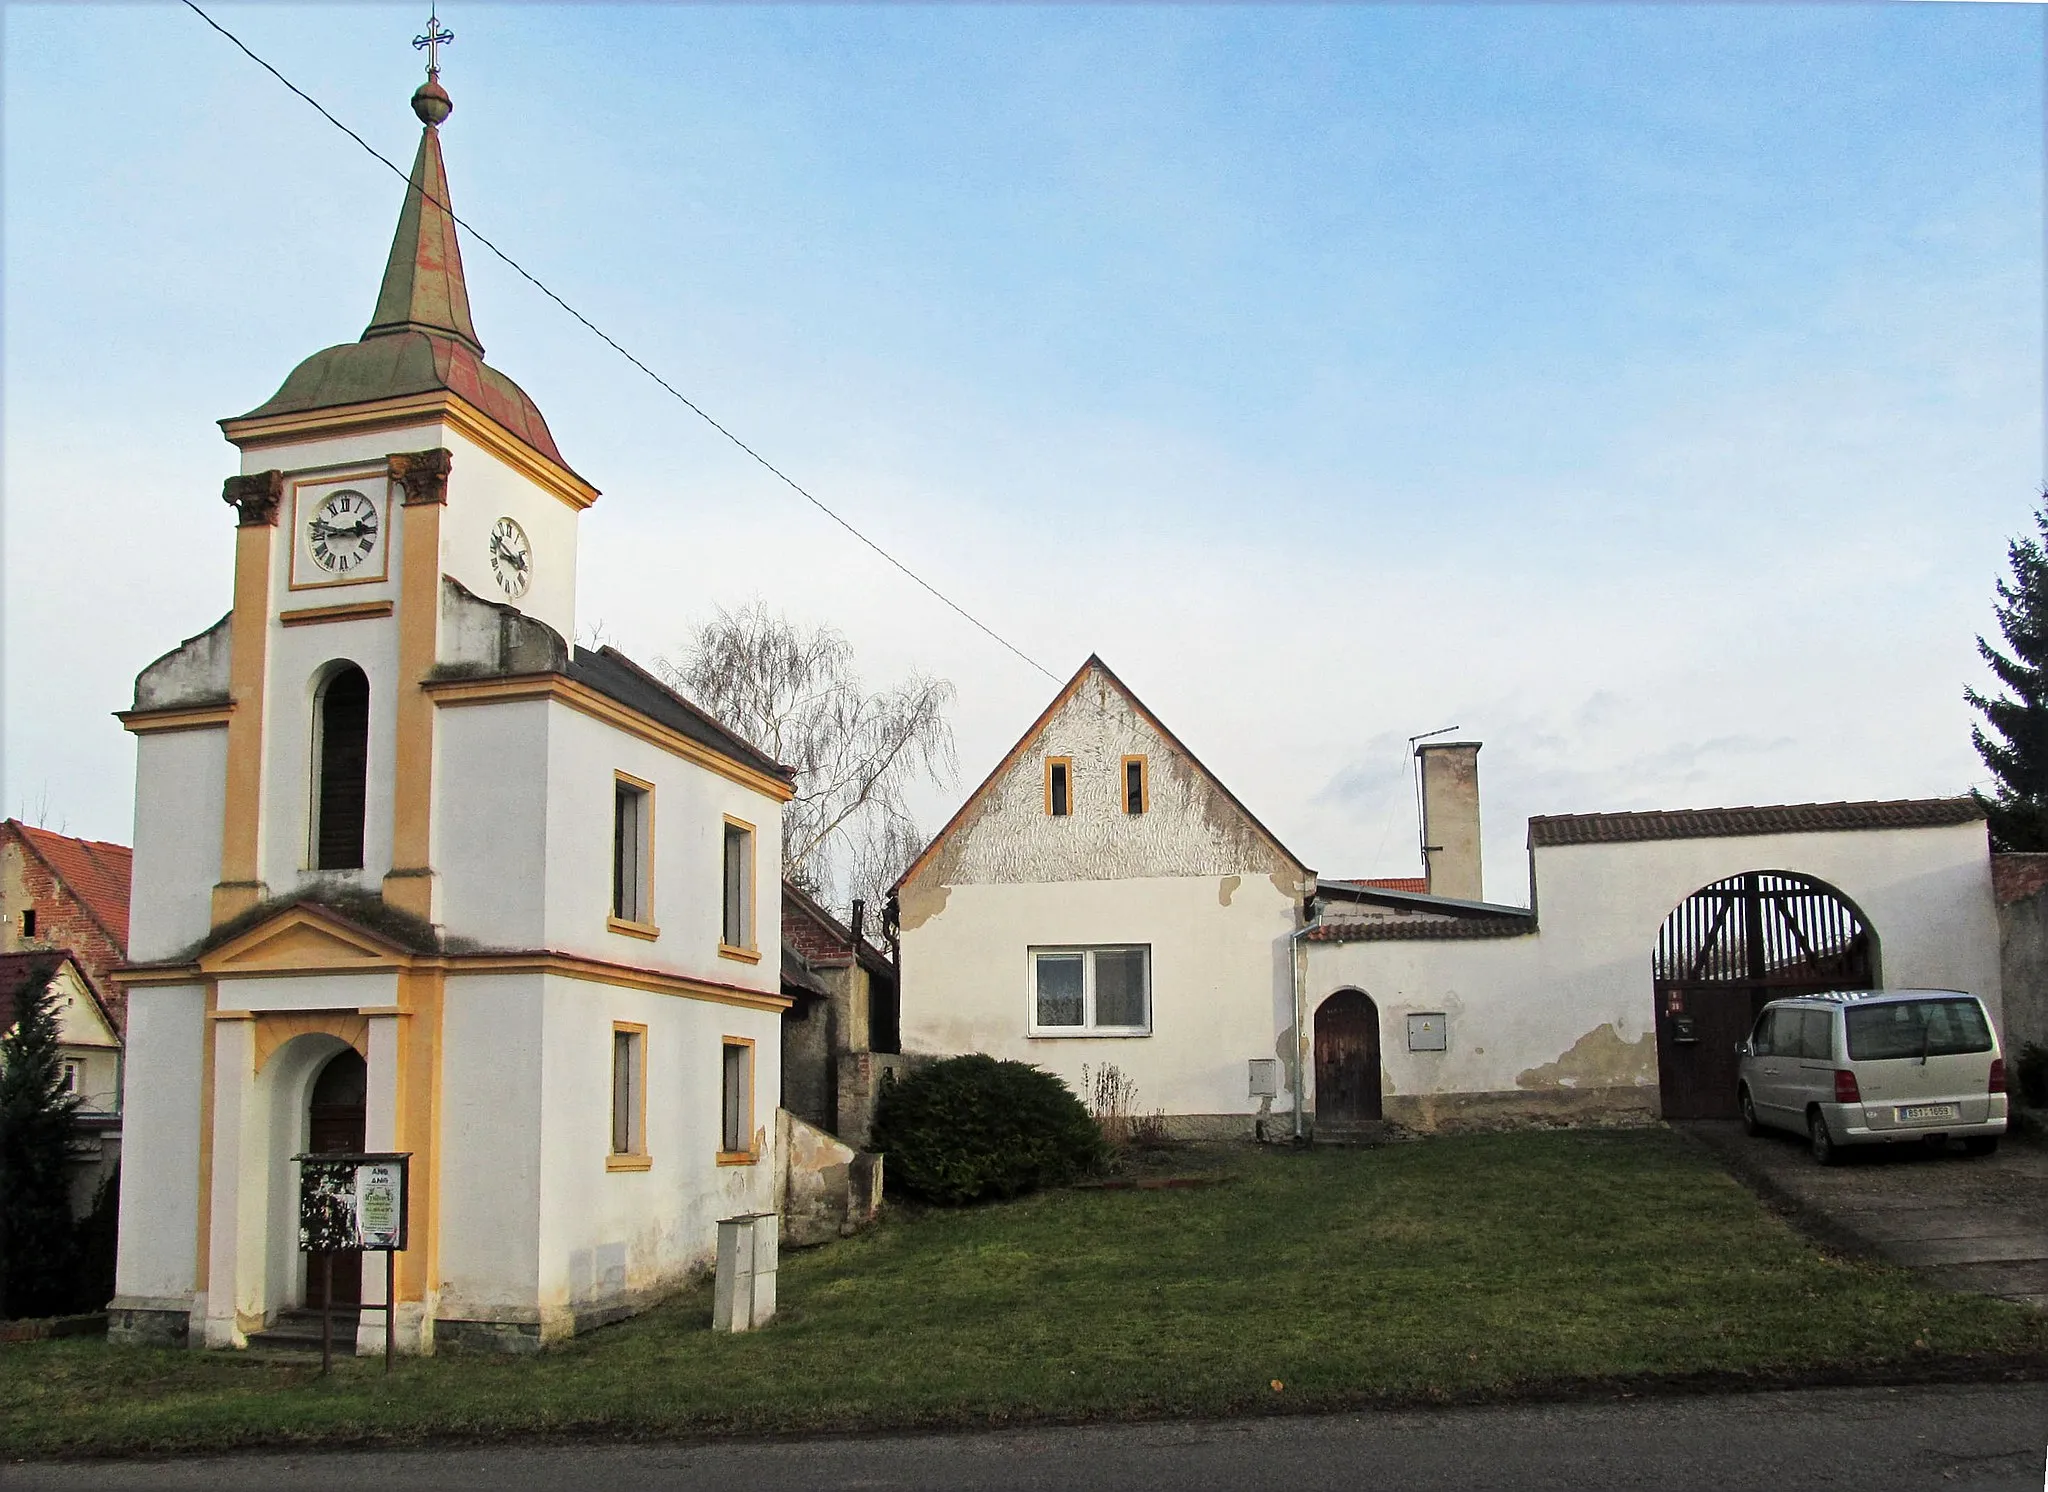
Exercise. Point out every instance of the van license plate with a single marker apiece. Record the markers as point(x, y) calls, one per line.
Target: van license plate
point(1920, 1113)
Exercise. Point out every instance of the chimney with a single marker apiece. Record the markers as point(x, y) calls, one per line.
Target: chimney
point(1450, 819)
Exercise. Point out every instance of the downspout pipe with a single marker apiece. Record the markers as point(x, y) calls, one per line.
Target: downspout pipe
point(1297, 958)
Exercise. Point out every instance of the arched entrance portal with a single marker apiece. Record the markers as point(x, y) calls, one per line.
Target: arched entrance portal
point(1347, 1059)
point(334, 1122)
point(1727, 951)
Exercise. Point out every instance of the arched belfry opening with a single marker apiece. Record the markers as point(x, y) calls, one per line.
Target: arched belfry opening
point(1347, 1059)
point(341, 761)
point(1728, 950)
point(336, 1122)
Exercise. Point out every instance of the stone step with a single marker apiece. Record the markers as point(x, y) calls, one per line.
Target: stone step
point(1353, 1132)
point(299, 1331)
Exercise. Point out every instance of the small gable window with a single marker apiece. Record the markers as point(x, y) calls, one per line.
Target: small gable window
point(1059, 786)
point(1137, 790)
point(28, 922)
point(341, 732)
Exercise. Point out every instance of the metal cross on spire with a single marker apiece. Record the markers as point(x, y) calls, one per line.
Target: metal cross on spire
point(437, 36)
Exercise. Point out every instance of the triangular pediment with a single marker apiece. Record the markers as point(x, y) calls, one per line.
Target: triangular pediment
point(1213, 833)
point(304, 939)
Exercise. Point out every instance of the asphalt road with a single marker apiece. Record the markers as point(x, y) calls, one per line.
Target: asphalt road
point(1874, 1440)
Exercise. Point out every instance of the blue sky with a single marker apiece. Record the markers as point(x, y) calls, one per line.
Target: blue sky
point(1647, 390)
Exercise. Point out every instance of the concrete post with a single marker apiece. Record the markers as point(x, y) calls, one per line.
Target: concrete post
point(743, 1296)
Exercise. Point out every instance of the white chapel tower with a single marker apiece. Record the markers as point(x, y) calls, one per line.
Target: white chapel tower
point(413, 873)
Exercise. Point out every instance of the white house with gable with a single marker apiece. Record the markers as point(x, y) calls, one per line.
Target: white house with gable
point(1102, 898)
point(412, 873)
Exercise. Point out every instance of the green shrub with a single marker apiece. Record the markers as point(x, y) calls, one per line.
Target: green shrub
point(970, 1128)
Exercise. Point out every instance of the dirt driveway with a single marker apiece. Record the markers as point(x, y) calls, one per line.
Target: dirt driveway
point(1970, 1223)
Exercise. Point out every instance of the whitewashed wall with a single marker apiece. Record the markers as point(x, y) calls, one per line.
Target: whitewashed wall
point(1222, 991)
point(157, 1256)
point(180, 806)
point(1572, 1005)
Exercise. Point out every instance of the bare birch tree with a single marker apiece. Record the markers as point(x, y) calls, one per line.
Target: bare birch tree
point(792, 692)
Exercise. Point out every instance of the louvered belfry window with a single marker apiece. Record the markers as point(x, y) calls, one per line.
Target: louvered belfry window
point(344, 737)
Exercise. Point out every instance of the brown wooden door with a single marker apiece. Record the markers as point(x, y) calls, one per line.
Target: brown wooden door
point(1347, 1058)
point(1698, 1030)
point(336, 1123)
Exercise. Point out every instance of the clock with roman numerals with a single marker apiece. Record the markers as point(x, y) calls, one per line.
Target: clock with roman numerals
point(343, 534)
point(511, 557)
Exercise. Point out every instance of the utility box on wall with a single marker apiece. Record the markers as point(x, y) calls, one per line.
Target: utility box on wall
point(1265, 1077)
point(1429, 1032)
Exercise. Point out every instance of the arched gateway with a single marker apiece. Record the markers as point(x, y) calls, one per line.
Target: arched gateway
point(1347, 1059)
point(1727, 951)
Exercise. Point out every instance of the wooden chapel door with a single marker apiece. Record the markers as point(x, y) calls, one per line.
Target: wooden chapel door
point(1347, 1058)
point(336, 1123)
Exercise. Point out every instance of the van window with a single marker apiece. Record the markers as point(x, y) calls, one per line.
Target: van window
point(1917, 1028)
point(1816, 1035)
point(1760, 1038)
point(1784, 1033)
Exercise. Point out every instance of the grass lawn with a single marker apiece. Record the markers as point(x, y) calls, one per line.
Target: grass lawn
point(1491, 1264)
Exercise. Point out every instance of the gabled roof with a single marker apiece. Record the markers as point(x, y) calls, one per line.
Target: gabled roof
point(93, 871)
point(1721, 823)
point(617, 677)
point(36, 968)
point(1059, 701)
point(799, 907)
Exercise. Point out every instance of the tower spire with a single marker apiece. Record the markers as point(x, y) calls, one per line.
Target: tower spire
point(423, 288)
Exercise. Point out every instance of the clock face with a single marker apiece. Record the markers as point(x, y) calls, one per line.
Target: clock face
point(511, 557)
point(343, 534)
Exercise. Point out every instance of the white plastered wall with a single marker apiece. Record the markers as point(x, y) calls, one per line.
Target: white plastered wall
point(180, 805)
point(481, 490)
point(1222, 987)
point(690, 808)
point(1519, 1005)
point(613, 1239)
point(491, 822)
point(160, 1147)
point(490, 1139)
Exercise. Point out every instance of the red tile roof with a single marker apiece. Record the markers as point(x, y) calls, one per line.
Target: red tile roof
point(96, 872)
point(1783, 818)
point(1403, 929)
point(1418, 884)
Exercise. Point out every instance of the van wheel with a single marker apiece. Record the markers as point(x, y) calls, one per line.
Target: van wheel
point(1751, 1125)
point(1980, 1145)
point(1824, 1148)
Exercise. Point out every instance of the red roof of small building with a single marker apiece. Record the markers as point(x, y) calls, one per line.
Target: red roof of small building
point(95, 872)
point(1418, 884)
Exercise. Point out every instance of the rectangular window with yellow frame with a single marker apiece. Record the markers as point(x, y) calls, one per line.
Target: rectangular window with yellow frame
point(1137, 785)
point(1059, 786)
point(736, 917)
point(632, 857)
point(736, 1102)
point(629, 1098)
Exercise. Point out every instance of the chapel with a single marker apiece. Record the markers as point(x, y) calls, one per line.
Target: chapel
point(414, 874)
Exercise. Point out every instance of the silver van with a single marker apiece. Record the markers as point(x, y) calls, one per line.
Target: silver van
point(1875, 1067)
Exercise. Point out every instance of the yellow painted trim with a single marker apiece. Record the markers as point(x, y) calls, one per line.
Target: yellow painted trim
point(305, 940)
point(450, 693)
point(653, 981)
point(241, 886)
point(151, 722)
point(1050, 763)
point(419, 1126)
point(308, 616)
point(639, 1151)
point(409, 884)
point(416, 409)
point(347, 476)
point(637, 927)
point(1123, 786)
point(276, 1027)
point(737, 1157)
point(749, 951)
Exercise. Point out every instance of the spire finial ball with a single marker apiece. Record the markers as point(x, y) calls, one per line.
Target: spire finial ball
point(431, 102)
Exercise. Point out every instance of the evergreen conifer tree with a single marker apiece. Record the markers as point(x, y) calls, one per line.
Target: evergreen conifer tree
point(38, 1240)
point(2016, 747)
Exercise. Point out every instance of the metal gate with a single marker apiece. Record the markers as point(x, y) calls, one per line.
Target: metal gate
point(1727, 951)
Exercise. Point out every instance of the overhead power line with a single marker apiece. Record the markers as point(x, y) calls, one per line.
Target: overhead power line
point(599, 332)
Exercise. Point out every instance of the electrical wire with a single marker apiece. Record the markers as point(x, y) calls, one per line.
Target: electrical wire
point(599, 332)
